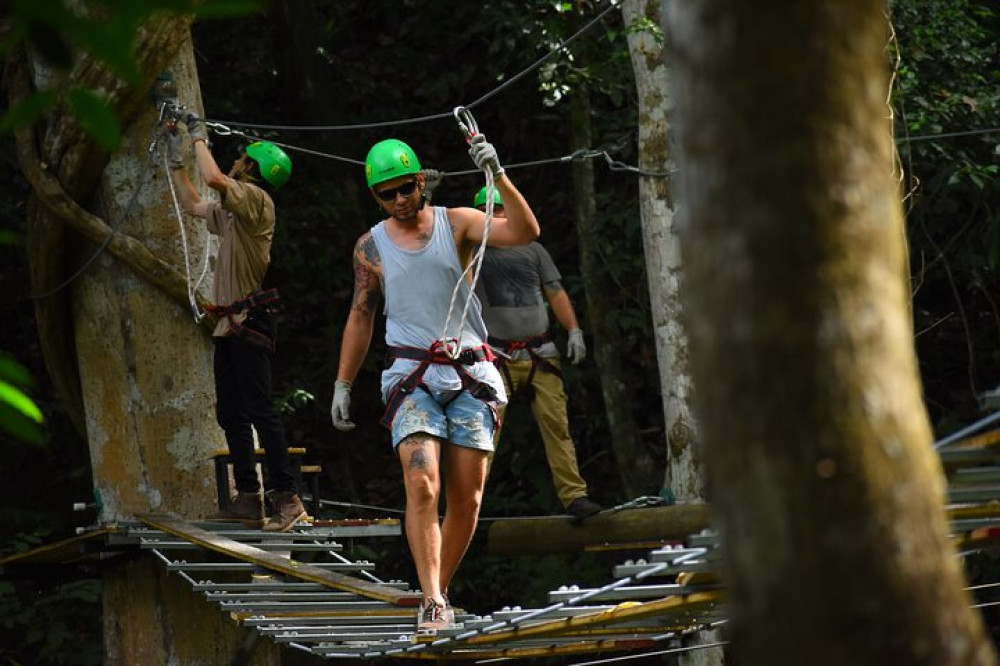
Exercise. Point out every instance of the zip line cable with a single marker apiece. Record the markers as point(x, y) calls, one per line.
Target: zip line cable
point(434, 116)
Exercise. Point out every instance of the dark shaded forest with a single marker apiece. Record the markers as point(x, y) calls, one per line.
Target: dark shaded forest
point(365, 64)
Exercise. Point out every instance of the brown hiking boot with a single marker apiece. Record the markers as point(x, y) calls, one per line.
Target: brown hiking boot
point(288, 510)
point(247, 508)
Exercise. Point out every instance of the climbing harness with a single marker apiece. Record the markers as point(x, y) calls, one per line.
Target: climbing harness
point(437, 355)
point(258, 327)
point(508, 347)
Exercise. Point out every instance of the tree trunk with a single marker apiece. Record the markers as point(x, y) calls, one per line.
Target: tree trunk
point(125, 345)
point(825, 488)
point(662, 247)
point(635, 465)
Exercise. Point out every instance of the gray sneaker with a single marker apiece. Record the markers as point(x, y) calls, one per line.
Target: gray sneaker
point(449, 611)
point(431, 617)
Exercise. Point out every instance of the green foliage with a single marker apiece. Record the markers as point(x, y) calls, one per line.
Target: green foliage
point(294, 400)
point(20, 417)
point(948, 82)
point(59, 30)
point(54, 626)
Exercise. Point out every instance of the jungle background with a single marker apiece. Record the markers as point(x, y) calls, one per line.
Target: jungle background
point(349, 63)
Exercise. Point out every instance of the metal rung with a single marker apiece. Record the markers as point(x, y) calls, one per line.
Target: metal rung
point(672, 554)
point(508, 614)
point(390, 615)
point(969, 524)
point(633, 592)
point(977, 475)
point(343, 634)
point(977, 494)
point(280, 595)
point(246, 566)
point(360, 605)
point(329, 546)
point(275, 585)
point(705, 539)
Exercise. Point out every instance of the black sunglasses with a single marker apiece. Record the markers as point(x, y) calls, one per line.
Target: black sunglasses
point(406, 189)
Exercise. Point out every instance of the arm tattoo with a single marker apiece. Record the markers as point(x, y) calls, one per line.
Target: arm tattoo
point(367, 281)
point(366, 245)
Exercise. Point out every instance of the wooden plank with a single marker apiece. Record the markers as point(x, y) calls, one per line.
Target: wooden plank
point(300, 570)
point(556, 534)
point(691, 604)
point(66, 551)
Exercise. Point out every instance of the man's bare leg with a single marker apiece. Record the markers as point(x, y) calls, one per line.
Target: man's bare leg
point(465, 477)
point(419, 455)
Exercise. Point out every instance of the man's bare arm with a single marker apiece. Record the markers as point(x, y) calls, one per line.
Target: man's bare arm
point(361, 319)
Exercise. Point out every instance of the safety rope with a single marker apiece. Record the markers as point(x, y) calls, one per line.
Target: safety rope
point(453, 346)
point(192, 290)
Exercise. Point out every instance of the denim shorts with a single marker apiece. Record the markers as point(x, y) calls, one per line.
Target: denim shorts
point(454, 416)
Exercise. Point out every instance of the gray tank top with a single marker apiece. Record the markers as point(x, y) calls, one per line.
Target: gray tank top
point(417, 288)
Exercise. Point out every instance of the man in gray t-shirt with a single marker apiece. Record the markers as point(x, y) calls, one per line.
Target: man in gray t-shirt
point(514, 284)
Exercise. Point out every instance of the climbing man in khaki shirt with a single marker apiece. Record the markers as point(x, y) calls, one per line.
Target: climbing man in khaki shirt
point(244, 221)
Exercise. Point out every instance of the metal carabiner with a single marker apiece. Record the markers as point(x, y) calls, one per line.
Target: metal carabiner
point(466, 123)
point(218, 128)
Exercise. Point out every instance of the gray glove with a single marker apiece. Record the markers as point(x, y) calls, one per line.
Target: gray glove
point(174, 154)
point(484, 154)
point(196, 128)
point(576, 348)
point(340, 410)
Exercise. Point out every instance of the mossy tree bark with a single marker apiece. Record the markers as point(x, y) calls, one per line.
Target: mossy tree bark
point(821, 474)
point(683, 473)
point(130, 363)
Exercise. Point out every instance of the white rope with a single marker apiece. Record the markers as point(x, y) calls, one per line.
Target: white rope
point(452, 346)
point(179, 214)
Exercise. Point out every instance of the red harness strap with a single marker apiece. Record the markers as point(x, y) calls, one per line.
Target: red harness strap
point(537, 362)
point(253, 300)
point(436, 355)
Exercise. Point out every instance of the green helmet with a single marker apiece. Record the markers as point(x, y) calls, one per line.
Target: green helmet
point(480, 199)
point(273, 163)
point(390, 159)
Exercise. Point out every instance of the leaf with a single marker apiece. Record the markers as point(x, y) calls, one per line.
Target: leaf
point(13, 372)
point(27, 110)
point(96, 116)
point(8, 237)
point(20, 427)
point(13, 396)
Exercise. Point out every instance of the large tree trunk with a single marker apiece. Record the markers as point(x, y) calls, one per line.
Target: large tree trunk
point(635, 465)
point(662, 247)
point(122, 341)
point(825, 488)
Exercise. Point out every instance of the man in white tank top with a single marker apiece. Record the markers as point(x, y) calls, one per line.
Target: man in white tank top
point(442, 412)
